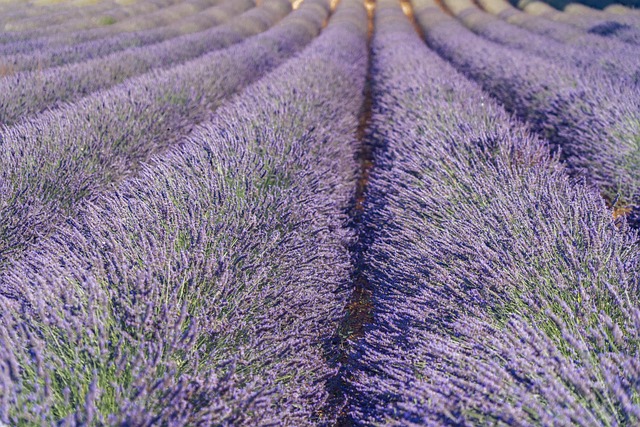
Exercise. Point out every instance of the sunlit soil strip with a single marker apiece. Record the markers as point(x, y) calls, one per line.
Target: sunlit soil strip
point(407, 9)
point(359, 310)
point(370, 5)
point(440, 3)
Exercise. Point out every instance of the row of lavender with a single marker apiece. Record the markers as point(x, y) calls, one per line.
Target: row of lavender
point(621, 7)
point(625, 28)
point(27, 15)
point(555, 30)
point(587, 116)
point(607, 58)
point(140, 15)
point(42, 53)
point(16, 15)
point(50, 163)
point(206, 290)
point(116, 264)
point(618, 13)
point(25, 41)
point(503, 293)
point(26, 94)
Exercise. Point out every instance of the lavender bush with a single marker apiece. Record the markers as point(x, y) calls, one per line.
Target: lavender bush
point(51, 56)
point(28, 18)
point(118, 18)
point(28, 93)
point(122, 40)
point(203, 292)
point(592, 121)
point(592, 25)
point(556, 30)
point(619, 65)
point(50, 163)
point(624, 19)
point(184, 239)
point(165, 16)
point(65, 20)
point(601, 4)
point(503, 294)
point(39, 25)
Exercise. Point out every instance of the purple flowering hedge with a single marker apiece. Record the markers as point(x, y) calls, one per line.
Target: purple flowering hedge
point(28, 93)
point(592, 121)
point(503, 294)
point(98, 21)
point(60, 55)
point(28, 24)
point(582, 9)
point(51, 162)
point(615, 64)
point(205, 290)
point(318, 213)
point(556, 30)
point(628, 32)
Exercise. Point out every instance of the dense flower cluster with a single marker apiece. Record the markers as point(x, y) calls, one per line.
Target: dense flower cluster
point(60, 55)
point(556, 30)
point(503, 294)
point(51, 162)
point(28, 93)
point(619, 9)
point(65, 21)
point(592, 122)
point(621, 64)
point(206, 290)
point(626, 32)
point(319, 213)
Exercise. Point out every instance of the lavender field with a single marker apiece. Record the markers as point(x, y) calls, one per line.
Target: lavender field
point(319, 213)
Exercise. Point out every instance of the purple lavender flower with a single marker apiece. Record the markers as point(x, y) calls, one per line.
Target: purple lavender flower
point(100, 21)
point(591, 24)
point(581, 9)
point(504, 294)
point(25, 94)
point(618, 65)
point(593, 122)
point(50, 163)
point(559, 31)
point(40, 57)
point(206, 290)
